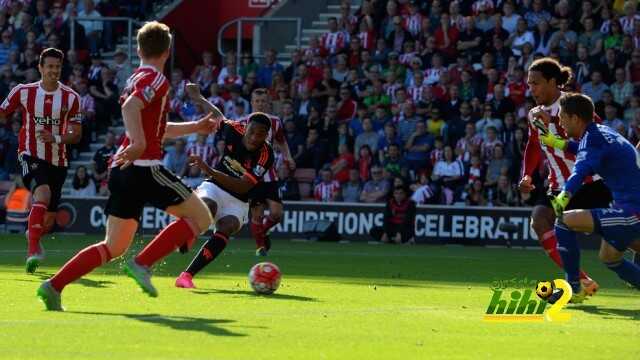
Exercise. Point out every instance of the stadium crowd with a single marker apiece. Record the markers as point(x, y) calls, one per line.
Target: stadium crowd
point(426, 95)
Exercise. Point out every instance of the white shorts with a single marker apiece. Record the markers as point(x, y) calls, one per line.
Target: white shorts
point(228, 205)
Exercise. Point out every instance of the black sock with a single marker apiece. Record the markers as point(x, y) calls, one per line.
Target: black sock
point(209, 251)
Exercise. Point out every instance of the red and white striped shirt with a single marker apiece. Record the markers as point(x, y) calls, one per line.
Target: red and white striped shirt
point(436, 155)
point(367, 39)
point(41, 110)
point(627, 23)
point(415, 92)
point(87, 104)
point(413, 23)
point(326, 192)
point(205, 151)
point(560, 162)
point(276, 133)
point(152, 88)
point(332, 42)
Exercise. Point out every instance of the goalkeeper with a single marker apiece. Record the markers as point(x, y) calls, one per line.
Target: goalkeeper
point(600, 150)
point(247, 157)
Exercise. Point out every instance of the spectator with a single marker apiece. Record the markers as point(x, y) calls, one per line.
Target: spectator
point(314, 152)
point(335, 40)
point(83, 185)
point(487, 121)
point(289, 187)
point(591, 39)
point(565, 40)
point(399, 218)
point(328, 189)
point(343, 164)
point(376, 189)
point(407, 126)
point(175, 159)
point(394, 163)
point(364, 162)
point(92, 29)
point(509, 18)
point(105, 93)
point(505, 194)
point(6, 47)
point(347, 106)
point(266, 71)
point(595, 88)
point(352, 188)
point(613, 40)
point(475, 195)
point(424, 193)
point(367, 137)
point(121, 68)
point(498, 165)
point(418, 146)
point(621, 89)
point(102, 158)
point(536, 14)
point(522, 36)
point(448, 175)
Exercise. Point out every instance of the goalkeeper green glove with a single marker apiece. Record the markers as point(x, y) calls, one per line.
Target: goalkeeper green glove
point(560, 202)
point(547, 138)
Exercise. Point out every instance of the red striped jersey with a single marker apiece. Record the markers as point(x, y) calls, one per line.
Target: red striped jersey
point(255, 164)
point(276, 133)
point(326, 192)
point(152, 88)
point(560, 162)
point(205, 151)
point(42, 110)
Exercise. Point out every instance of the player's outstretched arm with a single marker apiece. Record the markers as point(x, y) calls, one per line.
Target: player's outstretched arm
point(207, 125)
point(193, 91)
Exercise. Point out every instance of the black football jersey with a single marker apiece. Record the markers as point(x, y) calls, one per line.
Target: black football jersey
point(254, 163)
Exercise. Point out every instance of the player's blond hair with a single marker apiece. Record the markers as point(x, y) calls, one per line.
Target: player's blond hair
point(154, 39)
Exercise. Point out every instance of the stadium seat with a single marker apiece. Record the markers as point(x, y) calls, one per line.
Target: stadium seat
point(305, 175)
point(305, 190)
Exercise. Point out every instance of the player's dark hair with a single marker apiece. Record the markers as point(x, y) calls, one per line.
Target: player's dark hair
point(260, 118)
point(550, 68)
point(578, 104)
point(52, 53)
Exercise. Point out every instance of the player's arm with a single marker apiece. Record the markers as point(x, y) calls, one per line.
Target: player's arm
point(72, 136)
point(207, 125)
point(10, 104)
point(250, 177)
point(193, 91)
point(532, 158)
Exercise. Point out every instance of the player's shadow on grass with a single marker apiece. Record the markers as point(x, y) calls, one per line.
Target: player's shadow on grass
point(83, 281)
point(609, 312)
point(252, 294)
point(185, 323)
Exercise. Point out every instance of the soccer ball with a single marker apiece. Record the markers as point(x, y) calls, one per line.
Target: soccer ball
point(264, 278)
point(544, 289)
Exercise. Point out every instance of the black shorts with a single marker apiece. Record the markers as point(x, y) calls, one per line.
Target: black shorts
point(593, 195)
point(265, 190)
point(136, 186)
point(36, 172)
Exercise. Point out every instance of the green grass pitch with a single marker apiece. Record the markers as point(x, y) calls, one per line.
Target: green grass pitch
point(336, 301)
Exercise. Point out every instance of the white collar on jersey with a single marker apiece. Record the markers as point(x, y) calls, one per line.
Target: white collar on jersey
point(48, 92)
point(146, 66)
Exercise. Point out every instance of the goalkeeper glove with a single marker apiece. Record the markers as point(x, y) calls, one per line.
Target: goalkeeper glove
point(547, 138)
point(560, 202)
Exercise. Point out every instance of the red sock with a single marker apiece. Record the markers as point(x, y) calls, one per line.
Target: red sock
point(550, 245)
point(269, 222)
point(86, 260)
point(257, 232)
point(36, 220)
point(178, 233)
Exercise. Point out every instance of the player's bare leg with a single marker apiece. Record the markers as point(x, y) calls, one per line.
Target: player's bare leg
point(35, 253)
point(193, 219)
point(118, 237)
